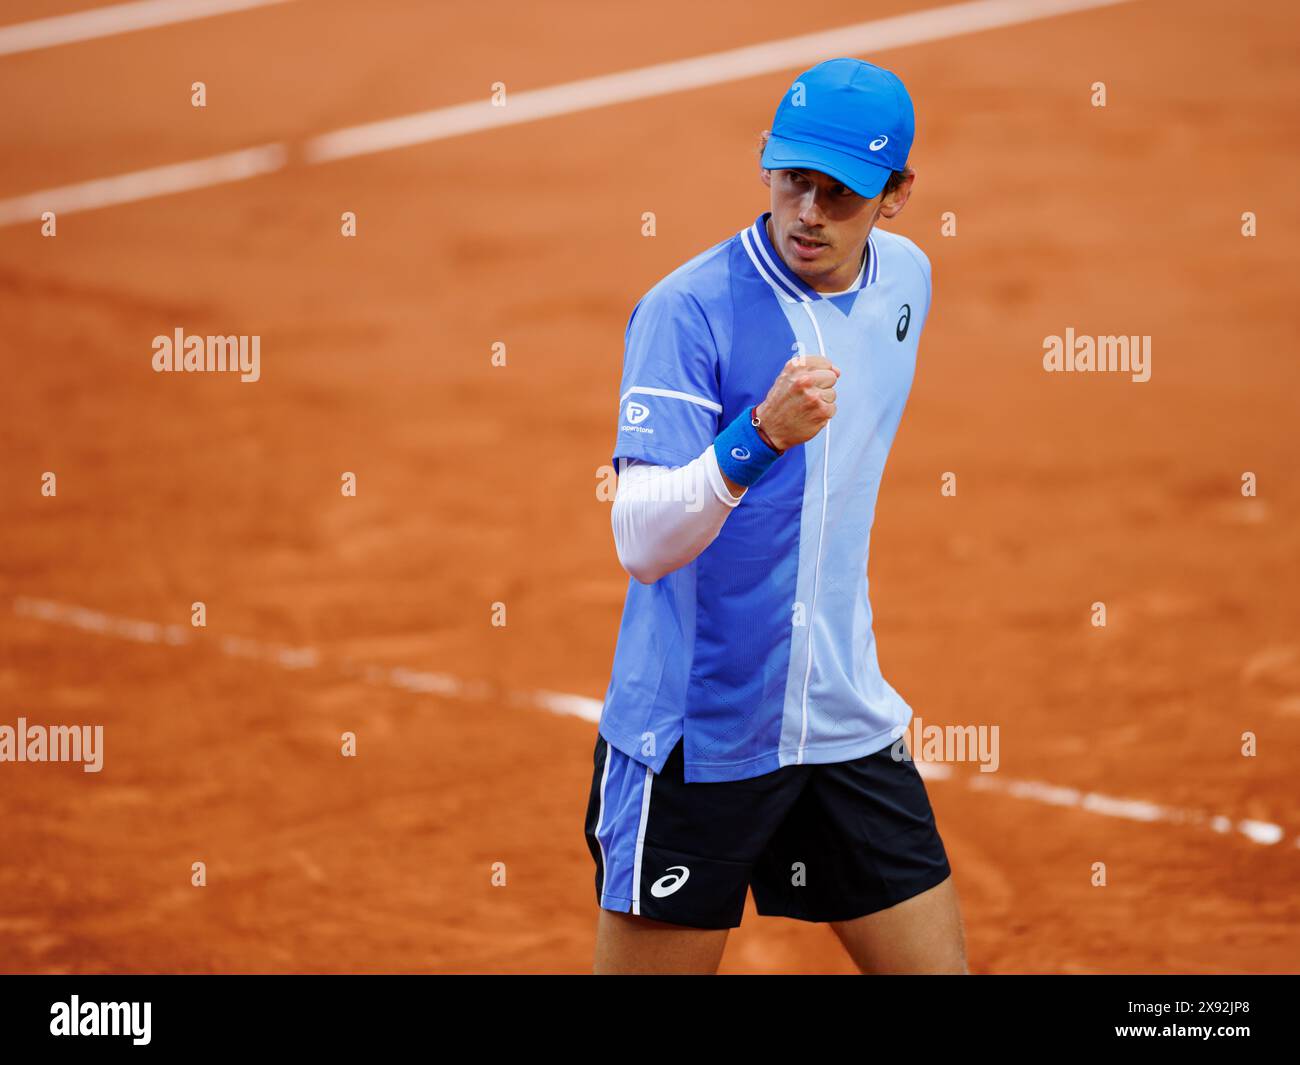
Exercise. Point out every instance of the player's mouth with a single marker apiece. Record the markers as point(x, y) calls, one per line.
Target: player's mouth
point(806, 248)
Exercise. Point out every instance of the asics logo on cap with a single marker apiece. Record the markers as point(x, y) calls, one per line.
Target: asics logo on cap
point(844, 95)
point(637, 412)
point(740, 454)
point(666, 885)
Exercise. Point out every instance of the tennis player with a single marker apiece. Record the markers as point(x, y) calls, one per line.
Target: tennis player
point(745, 739)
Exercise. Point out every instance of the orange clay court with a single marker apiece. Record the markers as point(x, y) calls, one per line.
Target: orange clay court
point(477, 484)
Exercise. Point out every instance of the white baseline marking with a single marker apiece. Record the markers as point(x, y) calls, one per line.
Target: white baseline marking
point(421, 682)
point(718, 68)
point(110, 21)
point(1128, 809)
point(425, 683)
point(146, 184)
point(531, 105)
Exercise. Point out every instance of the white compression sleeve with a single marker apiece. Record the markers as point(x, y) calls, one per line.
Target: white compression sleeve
point(664, 516)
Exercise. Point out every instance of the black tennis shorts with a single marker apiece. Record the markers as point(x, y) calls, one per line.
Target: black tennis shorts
point(815, 842)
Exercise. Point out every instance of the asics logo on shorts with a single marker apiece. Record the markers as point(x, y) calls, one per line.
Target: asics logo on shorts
point(740, 454)
point(666, 885)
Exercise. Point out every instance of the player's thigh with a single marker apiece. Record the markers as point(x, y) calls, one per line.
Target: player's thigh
point(920, 935)
point(627, 945)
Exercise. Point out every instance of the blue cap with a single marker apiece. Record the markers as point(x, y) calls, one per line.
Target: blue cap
point(845, 118)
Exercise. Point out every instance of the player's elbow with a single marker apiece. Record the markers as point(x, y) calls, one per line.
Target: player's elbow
point(638, 566)
point(633, 552)
point(642, 573)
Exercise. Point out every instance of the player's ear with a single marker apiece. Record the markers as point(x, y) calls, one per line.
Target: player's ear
point(896, 199)
point(765, 176)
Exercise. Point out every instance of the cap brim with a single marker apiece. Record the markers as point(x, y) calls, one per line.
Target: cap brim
point(864, 178)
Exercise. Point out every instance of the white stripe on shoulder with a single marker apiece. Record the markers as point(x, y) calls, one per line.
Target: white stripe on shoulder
point(669, 393)
point(769, 273)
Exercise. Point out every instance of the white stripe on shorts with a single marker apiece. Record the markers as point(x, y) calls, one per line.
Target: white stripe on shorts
point(640, 841)
point(600, 823)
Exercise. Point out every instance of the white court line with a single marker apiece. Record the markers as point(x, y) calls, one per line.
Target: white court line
point(110, 21)
point(1128, 809)
point(587, 94)
point(297, 658)
point(288, 657)
point(146, 184)
point(718, 68)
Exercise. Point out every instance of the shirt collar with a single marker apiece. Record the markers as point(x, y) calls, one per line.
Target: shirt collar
point(787, 284)
point(857, 281)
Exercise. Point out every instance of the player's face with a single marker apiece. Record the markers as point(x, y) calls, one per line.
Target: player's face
point(819, 226)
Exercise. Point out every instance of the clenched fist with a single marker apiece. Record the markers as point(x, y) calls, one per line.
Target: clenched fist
point(800, 401)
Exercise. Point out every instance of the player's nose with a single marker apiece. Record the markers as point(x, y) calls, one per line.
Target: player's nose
point(810, 211)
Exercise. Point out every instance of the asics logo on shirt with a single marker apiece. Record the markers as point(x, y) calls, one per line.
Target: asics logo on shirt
point(637, 412)
point(878, 143)
point(740, 454)
point(904, 320)
point(666, 885)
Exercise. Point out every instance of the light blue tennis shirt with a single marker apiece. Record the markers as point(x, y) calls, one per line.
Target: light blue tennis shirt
point(760, 652)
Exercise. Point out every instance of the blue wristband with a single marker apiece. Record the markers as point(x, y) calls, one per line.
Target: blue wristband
point(742, 455)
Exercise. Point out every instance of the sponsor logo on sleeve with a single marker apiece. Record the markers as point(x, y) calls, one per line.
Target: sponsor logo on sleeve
point(633, 415)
